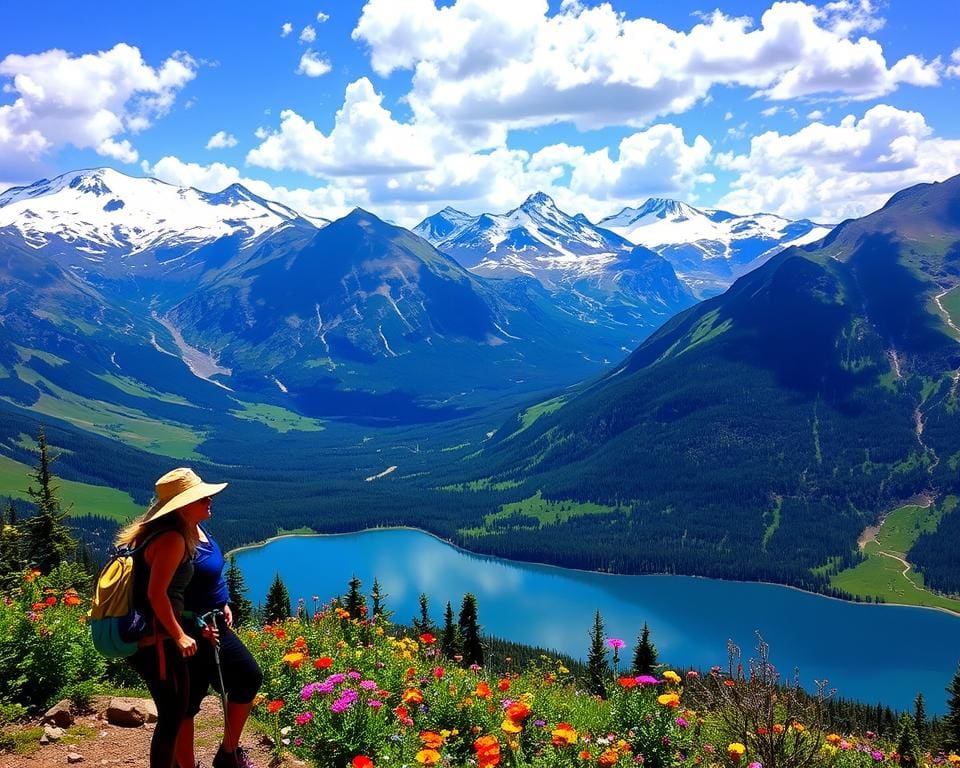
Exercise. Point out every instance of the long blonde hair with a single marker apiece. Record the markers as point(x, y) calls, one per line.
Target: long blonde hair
point(137, 531)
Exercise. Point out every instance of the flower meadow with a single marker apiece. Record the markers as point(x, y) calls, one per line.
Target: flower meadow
point(340, 691)
point(361, 693)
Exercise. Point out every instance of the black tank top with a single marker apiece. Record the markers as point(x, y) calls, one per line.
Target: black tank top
point(178, 584)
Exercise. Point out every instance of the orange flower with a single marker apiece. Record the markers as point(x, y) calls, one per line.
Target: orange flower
point(833, 738)
point(275, 706)
point(519, 710)
point(71, 599)
point(503, 685)
point(488, 751)
point(294, 659)
point(342, 613)
point(322, 663)
point(32, 574)
point(483, 690)
point(412, 696)
point(510, 726)
point(669, 700)
point(798, 727)
point(608, 758)
point(584, 754)
point(627, 682)
point(428, 757)
point(431, 739)
point(361, 761)
point(564, 735)
point(729, 683)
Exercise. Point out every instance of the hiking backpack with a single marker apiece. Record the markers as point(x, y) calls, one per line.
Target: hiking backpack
point(116, 625)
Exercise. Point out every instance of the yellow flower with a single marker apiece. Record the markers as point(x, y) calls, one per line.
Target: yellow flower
point(736, 750)
point(833, 738)
point(669, 700)
point(671, 677)
point(953, 758)
point(563, 670)
point(294, 658)
point(509, 726)
point(428, 757)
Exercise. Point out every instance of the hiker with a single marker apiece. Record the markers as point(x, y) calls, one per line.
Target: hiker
point(222, 660)
point(164, 567)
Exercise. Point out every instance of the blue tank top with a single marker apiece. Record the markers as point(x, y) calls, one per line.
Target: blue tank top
point(207, 589)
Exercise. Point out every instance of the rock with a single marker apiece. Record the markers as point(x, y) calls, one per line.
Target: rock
point(131, 713)
point(73, 757)
point(52, 733)
point(59, 715)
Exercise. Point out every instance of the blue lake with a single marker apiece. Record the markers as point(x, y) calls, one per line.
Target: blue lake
point(872, 653)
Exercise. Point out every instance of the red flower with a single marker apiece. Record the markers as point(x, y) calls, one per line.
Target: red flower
point(427, 639)
point(483, 690)
point(504, 685)
point(51, 600)
point(361, 761)
point(627, 682)
point(322, 663)
point(275, 706)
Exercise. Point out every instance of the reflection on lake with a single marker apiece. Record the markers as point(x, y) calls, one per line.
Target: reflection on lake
point(873, 653)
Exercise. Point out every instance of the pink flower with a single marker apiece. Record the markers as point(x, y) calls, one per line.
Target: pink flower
point(303, 718)
point(616, 643)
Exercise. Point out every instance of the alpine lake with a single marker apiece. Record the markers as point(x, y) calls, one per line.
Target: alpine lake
point(867, 652)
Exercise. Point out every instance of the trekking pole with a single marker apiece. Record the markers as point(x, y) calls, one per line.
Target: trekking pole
point(210, 620)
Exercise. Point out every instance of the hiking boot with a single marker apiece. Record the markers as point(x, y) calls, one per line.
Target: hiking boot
point(236, 759)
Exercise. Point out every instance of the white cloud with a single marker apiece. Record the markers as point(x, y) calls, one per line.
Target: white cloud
point(87, 101)
point(954, 69)
point(322, 17)
point(222, 140)
point(833, 172)
point(286, 29)
point(770, 111)
point(510, 62)
point(308, 34)
point(313, 65)
point(365, 140)
point(817, 114)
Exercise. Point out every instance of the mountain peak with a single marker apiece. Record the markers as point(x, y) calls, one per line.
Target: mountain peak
point(539, 200)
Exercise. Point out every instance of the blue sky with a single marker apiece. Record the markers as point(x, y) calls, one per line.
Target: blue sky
point(818, 109)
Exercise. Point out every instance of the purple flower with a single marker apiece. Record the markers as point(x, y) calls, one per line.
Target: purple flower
point(325, 687)
point(646, 680)
point(616, 643)
point(681, 722)
point(877, 755)
point(342, 704)
point(354, 675)
point(374, 704)
point(369, 685)
point(336, 678)
point(539, 723)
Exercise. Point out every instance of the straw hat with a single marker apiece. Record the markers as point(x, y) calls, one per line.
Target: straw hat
point(178, 488)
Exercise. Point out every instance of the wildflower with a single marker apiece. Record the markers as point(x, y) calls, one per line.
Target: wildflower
point(361, 761)
point(669, 700)
point(778, 728)
point(510, 726)
point(427, 639)
point(798, 727)
point(483, 690)
point(736, 751)
point(877, 755)
point(487, 749)
point(294, 659)
point(564, 735)
point(833, 738)
point(563, 670)
point(431, 739)
point(729, 683)
point(627, 682)
point(428, 757)
point(346, 700)
point(342, 613)
point(336, 678)
point(412, 696)
point(646, 680)
point(616, 643)
point(323, 662)
point(693, 673)
point(755, 764)
point(671, 677)
point(303, 718)
point(681, 722)
point(71, 599)
point(953, 758)
point(584, 754)
point(503, 685)
point(608, 757)
point(368, 685)
point(762, 731)
point(275, 706)
point(519, 710)
point(438, 672)
point(374, 704)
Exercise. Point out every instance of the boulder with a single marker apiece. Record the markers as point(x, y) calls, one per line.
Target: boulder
point(130, 712)
point(74, 757)
point(59, 715)
point(51, 734)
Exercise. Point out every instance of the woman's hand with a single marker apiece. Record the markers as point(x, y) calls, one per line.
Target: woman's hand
point(227, 614)
point(187, 645)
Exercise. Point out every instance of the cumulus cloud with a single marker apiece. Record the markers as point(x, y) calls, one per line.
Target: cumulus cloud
point(954, 69)
point(313, 64)
point(286, 29)
point(365, 140)
point(87, 101)
point(222, 140)
point(322, 17)
point(833, 172)
point(510, 61)
point(308, 34)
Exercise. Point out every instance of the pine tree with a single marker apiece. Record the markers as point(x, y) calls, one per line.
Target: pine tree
point(47, 540)
point(644, 654)
point(908, 745)
point(277, 607)
point(450, 644)
point(355, 602)
point(11, 560)
point(951, 722)
point(470, 631)
point(237, 594)
point(597, 659)
point(378, 598)
point(422, 624)
point(920, 718)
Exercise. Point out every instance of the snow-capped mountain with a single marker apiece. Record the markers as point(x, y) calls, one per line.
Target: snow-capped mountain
point(710, 248)
point(118, 224)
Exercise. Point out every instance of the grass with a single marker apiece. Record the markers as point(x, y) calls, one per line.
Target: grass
point(137, 389)
point(20, 741)
point(85, 499)
point(128, 425)
point(277, 418)
point(545, 511)
point(882, 575)
point(483, 484)
point(951, 305)
point(774, 523)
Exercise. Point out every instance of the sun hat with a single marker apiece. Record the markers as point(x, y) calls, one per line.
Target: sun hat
point(178, 488)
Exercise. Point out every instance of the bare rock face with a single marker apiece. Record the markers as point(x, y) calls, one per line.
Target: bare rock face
point(59, 715)
point(130, 712)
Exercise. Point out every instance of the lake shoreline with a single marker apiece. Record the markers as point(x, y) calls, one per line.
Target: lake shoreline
point(264, 543)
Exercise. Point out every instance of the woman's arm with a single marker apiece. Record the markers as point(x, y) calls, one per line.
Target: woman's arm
point(164, 555)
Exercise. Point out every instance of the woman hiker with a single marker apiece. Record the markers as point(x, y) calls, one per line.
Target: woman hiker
point(163, 568)
point(206, 598)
